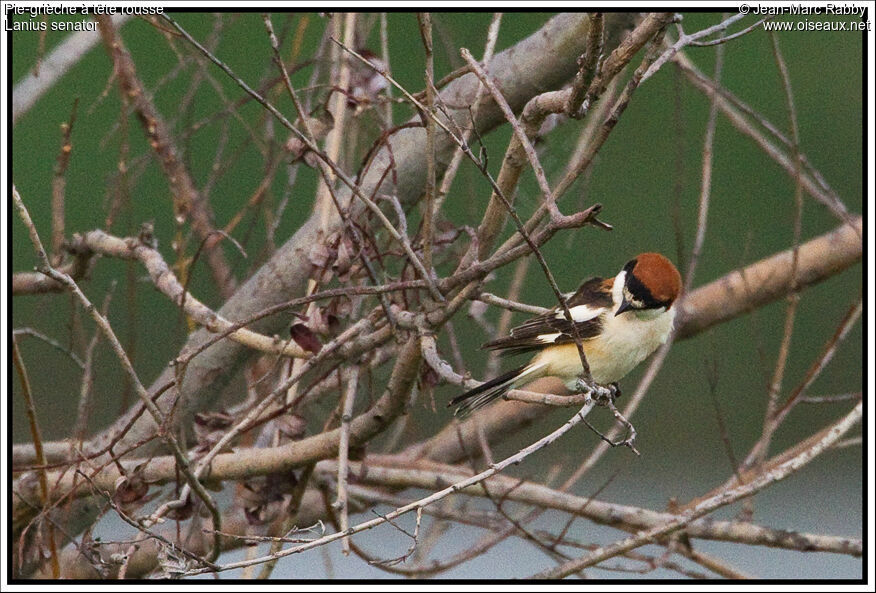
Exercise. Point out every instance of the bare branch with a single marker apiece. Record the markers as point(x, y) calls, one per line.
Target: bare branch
point(64, 56)
point(707, 506)
point(770, 279)
point(415, 506)
point(189, 204)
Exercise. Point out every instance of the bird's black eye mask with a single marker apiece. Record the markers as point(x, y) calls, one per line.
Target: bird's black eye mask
point(643, 297)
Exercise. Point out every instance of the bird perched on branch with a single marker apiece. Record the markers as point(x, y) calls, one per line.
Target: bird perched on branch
point(619, 322)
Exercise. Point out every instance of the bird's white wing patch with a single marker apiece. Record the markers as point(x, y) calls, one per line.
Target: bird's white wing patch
point(548, 338)
point(581, 313)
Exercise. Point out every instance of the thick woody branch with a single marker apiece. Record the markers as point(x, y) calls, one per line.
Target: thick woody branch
point(770, 279)
point(520, 150)
point(181, 462)
point(259, 462)
point(99, 242)
point(588, 63)
point(144, 558)
point(722, 300)
point(621, 56)
point(553, 102)
point(58, 62)
point(25, 283)
point(423, 502)
point(209, 361)
point(719, 301)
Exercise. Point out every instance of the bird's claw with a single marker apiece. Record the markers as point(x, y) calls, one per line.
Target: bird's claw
point(615, 391)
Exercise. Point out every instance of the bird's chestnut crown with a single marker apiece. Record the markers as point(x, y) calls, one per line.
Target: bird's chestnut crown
point(652, 282)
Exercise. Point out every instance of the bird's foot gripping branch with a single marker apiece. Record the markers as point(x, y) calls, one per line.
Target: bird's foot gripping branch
point(602, 395)
point(605, 396)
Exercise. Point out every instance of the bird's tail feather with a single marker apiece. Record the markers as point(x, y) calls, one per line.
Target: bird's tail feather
point(493, 389)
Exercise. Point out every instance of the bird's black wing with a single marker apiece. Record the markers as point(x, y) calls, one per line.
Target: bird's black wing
point(588, 305)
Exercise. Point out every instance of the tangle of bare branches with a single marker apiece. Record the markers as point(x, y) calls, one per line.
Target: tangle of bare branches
point(309, 389)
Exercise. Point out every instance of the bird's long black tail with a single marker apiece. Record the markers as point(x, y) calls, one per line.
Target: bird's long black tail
point(480, 396)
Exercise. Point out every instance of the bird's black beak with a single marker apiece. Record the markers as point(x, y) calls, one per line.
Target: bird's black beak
point(625, 305)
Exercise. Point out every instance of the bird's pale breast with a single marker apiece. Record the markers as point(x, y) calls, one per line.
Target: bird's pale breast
point(625, 341)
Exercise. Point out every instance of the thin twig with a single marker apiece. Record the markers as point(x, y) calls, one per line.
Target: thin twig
point(59, 184)
point(706, 180)
point(384, 55)
point(733, 36)
point(29, 331)
point(141, 249)
point(37, 440)
point(793, 298)
point(252, 417)
point(323, 157)
point(547, 195)
point(684, 40)
point(188, 203)
point(812, 185)
point(344, 454)
point(424, 19)
point(60, 60)
point(510, 305)
point(394, 473)
point(453, 167)
point(87, 384)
